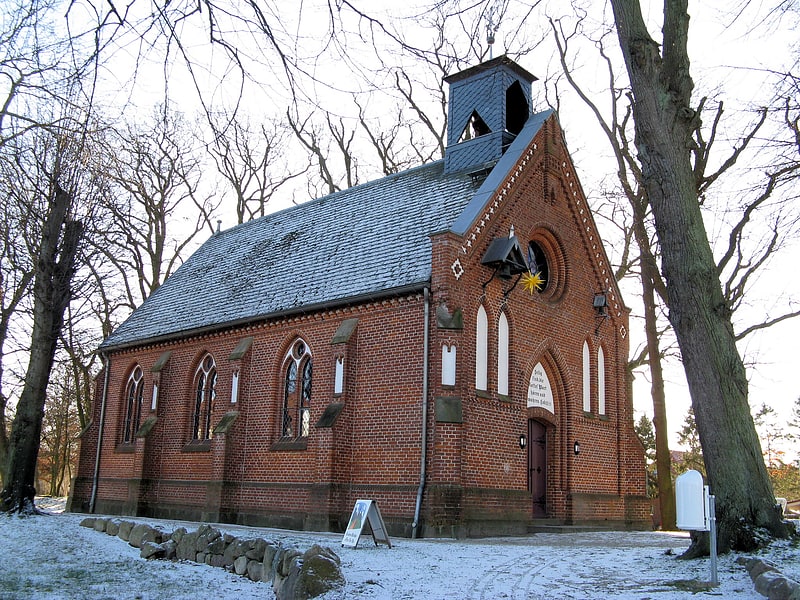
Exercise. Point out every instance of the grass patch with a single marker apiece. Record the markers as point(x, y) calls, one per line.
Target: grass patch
point(10, 584)
point(693, 586)
point(77, 575)
point(13, 587)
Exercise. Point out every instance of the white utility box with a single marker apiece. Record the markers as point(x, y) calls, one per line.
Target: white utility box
point(691, 502)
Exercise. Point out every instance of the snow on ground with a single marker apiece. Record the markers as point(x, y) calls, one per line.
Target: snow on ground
point(51, 557)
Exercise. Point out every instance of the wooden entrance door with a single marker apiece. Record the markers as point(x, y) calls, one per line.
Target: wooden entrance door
point(537, 467)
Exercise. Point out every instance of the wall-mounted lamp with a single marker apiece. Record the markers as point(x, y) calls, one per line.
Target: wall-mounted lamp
point(576, 448)
point(600, 303)
point(523, 441)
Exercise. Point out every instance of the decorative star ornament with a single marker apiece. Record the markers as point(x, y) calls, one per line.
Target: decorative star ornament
point(532, 282)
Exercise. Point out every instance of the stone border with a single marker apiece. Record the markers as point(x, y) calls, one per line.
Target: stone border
point(294, 574)
point(769, 581)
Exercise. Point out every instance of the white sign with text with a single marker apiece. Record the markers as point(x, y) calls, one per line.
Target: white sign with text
point(540, 394)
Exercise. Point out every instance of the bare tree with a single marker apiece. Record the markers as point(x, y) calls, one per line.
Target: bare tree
point(16, 276)
point(79, 340)
point(250, 158)
point(317, 141)
point(157, 204)
point(57, 163)
point(23, 74)
point(665, 122)
point(616, 130)
point(42, 70)
point(739, 262)
point(59, 441)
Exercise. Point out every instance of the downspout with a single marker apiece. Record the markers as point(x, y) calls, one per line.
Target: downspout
point(424, 449)
point(96, 477)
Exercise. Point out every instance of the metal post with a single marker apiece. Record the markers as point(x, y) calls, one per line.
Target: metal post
point(712, 515)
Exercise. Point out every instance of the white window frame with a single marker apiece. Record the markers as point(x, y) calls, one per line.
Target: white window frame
point(502, 355)
point(587, 379)
point(601, 381)
point(235, 387)
point(481, 350)
point(338, 375)
point(448, 364)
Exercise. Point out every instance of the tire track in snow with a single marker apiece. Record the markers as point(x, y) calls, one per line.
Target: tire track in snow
point(512, 579)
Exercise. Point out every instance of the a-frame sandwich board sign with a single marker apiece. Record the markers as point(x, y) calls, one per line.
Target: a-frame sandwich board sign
point(365, 512)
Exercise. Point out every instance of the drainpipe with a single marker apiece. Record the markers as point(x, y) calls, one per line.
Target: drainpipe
point(96, 477)
point(424, 448)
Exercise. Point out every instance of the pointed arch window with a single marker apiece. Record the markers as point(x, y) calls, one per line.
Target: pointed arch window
point(517, 108)
point(481, 349)
point(296, 413)
point(587, 380)
point(205, 395)
point(134, 393)
point(502, 355)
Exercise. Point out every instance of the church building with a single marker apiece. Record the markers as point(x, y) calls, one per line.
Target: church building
point(448, 341)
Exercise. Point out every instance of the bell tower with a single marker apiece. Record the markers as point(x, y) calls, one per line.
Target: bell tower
point(489, 104)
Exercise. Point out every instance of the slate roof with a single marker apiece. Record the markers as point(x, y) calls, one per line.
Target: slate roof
point(367, 241)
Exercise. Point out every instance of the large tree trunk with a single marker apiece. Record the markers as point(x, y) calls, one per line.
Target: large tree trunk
point(10, 303)
point(54, 270)
point(664, 122)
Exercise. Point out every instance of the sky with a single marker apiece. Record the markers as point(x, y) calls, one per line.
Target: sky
point(51, 557)
point(730, 51)
point(732, 48)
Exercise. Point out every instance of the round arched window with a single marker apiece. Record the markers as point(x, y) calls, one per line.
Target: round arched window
point(546, 257)
point(537, 262)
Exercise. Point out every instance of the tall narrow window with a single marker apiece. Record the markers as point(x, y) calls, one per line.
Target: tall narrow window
point(205, 395)
point(235, 387)
point(601, 381)
point(448, 365)
point(134, 392)
point(338, 375)
point(296, 413)
point(481, 350)
point(304, 411)
point(587, 380)
point(502, 355)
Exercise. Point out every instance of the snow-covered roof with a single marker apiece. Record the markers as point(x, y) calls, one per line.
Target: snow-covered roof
point(370, 240)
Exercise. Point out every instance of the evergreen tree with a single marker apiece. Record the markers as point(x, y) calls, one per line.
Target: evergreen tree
point(793, 424)
point(689, 439)
point(644, 429)
point(771, 434)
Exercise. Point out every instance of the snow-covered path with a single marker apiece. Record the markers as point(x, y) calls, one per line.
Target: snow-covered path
point(52, 557)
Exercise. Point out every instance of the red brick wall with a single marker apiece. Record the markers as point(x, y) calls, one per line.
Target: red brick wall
point(476, 479)
point(550, 327)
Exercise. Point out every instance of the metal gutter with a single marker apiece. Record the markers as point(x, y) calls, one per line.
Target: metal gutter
point(96, 476)
point(424, 443)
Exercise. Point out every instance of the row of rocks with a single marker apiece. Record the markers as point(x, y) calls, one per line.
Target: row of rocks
point(769, 581)
point(295, 575)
